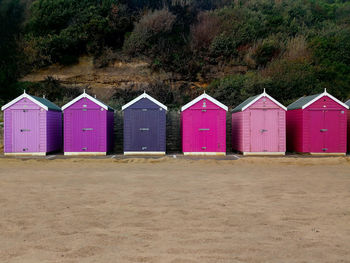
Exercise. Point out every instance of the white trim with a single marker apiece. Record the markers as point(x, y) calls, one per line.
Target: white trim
point(144, 153)
point(24, 95)
point(328, 154)
point(264, 94)
point(264, 153)
point(346, 102)
point(325, 93)
point(205, 153)
point(85, 153)
point(204, 96)
point(144, 95)
point(26, 153)
point(85, 95)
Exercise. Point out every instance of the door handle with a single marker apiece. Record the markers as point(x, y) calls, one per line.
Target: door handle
point(87, 129)
point(324, 149)
point(24, 130)
point(263, 130)
point(144, 129)
point(324, 130)
point(204, 129)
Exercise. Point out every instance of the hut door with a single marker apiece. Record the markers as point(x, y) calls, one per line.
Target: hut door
point(271, 134)
point(85, 130)
point(91, 140)
point(317, 131)
point(333, 130)
point(25, 130)
point(264, 130)
point(145, 129)
point(257, 127)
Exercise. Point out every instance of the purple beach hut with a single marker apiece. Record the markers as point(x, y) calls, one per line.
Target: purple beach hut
point(88, 126)
point(32, 126)
point(144, 126)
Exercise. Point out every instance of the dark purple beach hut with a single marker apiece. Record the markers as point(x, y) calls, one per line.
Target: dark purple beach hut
point(88, 126)
point(33, 126)
point(144, 126)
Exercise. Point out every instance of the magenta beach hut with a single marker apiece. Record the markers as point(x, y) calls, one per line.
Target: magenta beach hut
point(203, 124)
point(32, 126)
point(316, 124)
point(88, 126)
point(348, 125)
point(259, 126)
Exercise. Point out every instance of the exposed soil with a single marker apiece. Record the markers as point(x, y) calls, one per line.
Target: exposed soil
point(175, 210)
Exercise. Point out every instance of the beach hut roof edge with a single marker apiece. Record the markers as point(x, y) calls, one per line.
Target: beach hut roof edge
point(305, 102)
point(142, 96)
point(85, 95)
point(42, 102)
point(204, 96)
point(251, 100)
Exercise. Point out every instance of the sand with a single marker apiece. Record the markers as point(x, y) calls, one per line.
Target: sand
point(175, 210)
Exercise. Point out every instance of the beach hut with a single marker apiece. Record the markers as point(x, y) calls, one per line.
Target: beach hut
point(348, 124)
point(203, 124)
point(32, 126)
point(259, 126)
point(144, 126)
point(317, 124)
point(88, 126)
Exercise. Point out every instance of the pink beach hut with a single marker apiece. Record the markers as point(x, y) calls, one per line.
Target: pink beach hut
point(259, 126)
point(203, 124)
point(88, 126)
point(32, 126)
point(316, 124)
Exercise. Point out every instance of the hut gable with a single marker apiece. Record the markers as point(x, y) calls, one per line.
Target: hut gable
point(79, 102)
point(40, 102)
point(210, 103)
point(304, 102)
point(144, 100)
point(255, 102)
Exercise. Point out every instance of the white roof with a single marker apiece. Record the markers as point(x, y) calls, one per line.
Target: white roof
point(325, 93)
point(24, 95)
point(85, 95)
point(264, 94)
point(204, 96)
point(142, 96)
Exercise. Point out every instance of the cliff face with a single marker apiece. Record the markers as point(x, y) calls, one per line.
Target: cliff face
point(136, 74)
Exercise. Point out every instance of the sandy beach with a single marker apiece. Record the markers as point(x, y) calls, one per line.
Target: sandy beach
point(175, 210)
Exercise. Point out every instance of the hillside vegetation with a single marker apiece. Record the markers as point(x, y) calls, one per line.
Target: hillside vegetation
point(290, 47)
